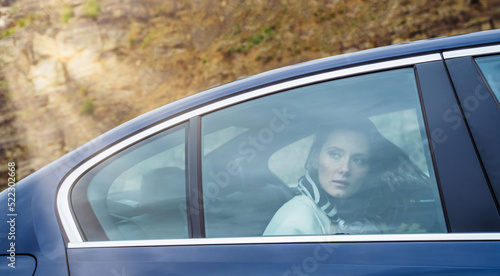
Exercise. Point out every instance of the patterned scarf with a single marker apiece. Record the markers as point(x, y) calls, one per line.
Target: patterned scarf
point(323, 200)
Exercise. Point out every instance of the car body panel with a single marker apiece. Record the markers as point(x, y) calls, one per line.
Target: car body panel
point(23, 265)
point(37, 230)
point(434, 258)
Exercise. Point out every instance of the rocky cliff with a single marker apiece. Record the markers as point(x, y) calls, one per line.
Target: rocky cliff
point(73, 69)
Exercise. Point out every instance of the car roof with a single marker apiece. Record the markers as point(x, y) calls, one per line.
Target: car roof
point(434, 45)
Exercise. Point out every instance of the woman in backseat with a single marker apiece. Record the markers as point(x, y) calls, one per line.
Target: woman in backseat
point(356, 182)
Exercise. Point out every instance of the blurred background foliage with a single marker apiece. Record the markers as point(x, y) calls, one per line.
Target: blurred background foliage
point(73, 69)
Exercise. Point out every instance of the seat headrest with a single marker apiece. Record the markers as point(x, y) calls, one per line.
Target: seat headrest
point(159, 186)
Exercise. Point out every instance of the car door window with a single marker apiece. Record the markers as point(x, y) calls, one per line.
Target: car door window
point(139, 193)
point(486, 138)
point(490, 67)
point(251, 181)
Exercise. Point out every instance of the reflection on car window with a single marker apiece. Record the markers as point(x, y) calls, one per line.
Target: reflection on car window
point(347, 156)
point(490, 67)
point(291, 171)
point(140, 193)
point(396, 126)
point(218, 138)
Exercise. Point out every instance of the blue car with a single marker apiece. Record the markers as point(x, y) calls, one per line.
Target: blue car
point(379, 162)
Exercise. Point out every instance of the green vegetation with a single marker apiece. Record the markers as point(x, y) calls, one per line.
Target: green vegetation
point(7, 32)
point(4, 84)
point(266, 33)
point(256, 39)
point(87, 107)
point(92, 9)
point(21, 22)
point(237, 28)
point(67, 14)
point(135, 33)
point(147, 40)
point(247, 43)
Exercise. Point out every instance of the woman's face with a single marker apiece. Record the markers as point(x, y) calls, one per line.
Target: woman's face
point(343, 163)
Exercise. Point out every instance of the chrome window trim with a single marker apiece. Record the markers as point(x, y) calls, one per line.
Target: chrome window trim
point(63, 196)
point(295, 239)
point(476, 51)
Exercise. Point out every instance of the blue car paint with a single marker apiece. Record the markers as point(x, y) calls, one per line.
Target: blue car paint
point(24, 265)
point(37, 229)
point(394, 258)
point(38, 232)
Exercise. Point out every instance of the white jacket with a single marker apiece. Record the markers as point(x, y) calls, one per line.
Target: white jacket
point(301, 216)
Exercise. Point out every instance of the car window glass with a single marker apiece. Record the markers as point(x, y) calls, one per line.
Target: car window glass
point(490, 67)
point(139, 193)
point(487, 140)
point(250, 182)
point(390, 125)
point(130, 179)
point(291, 171)
point(219, 137)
